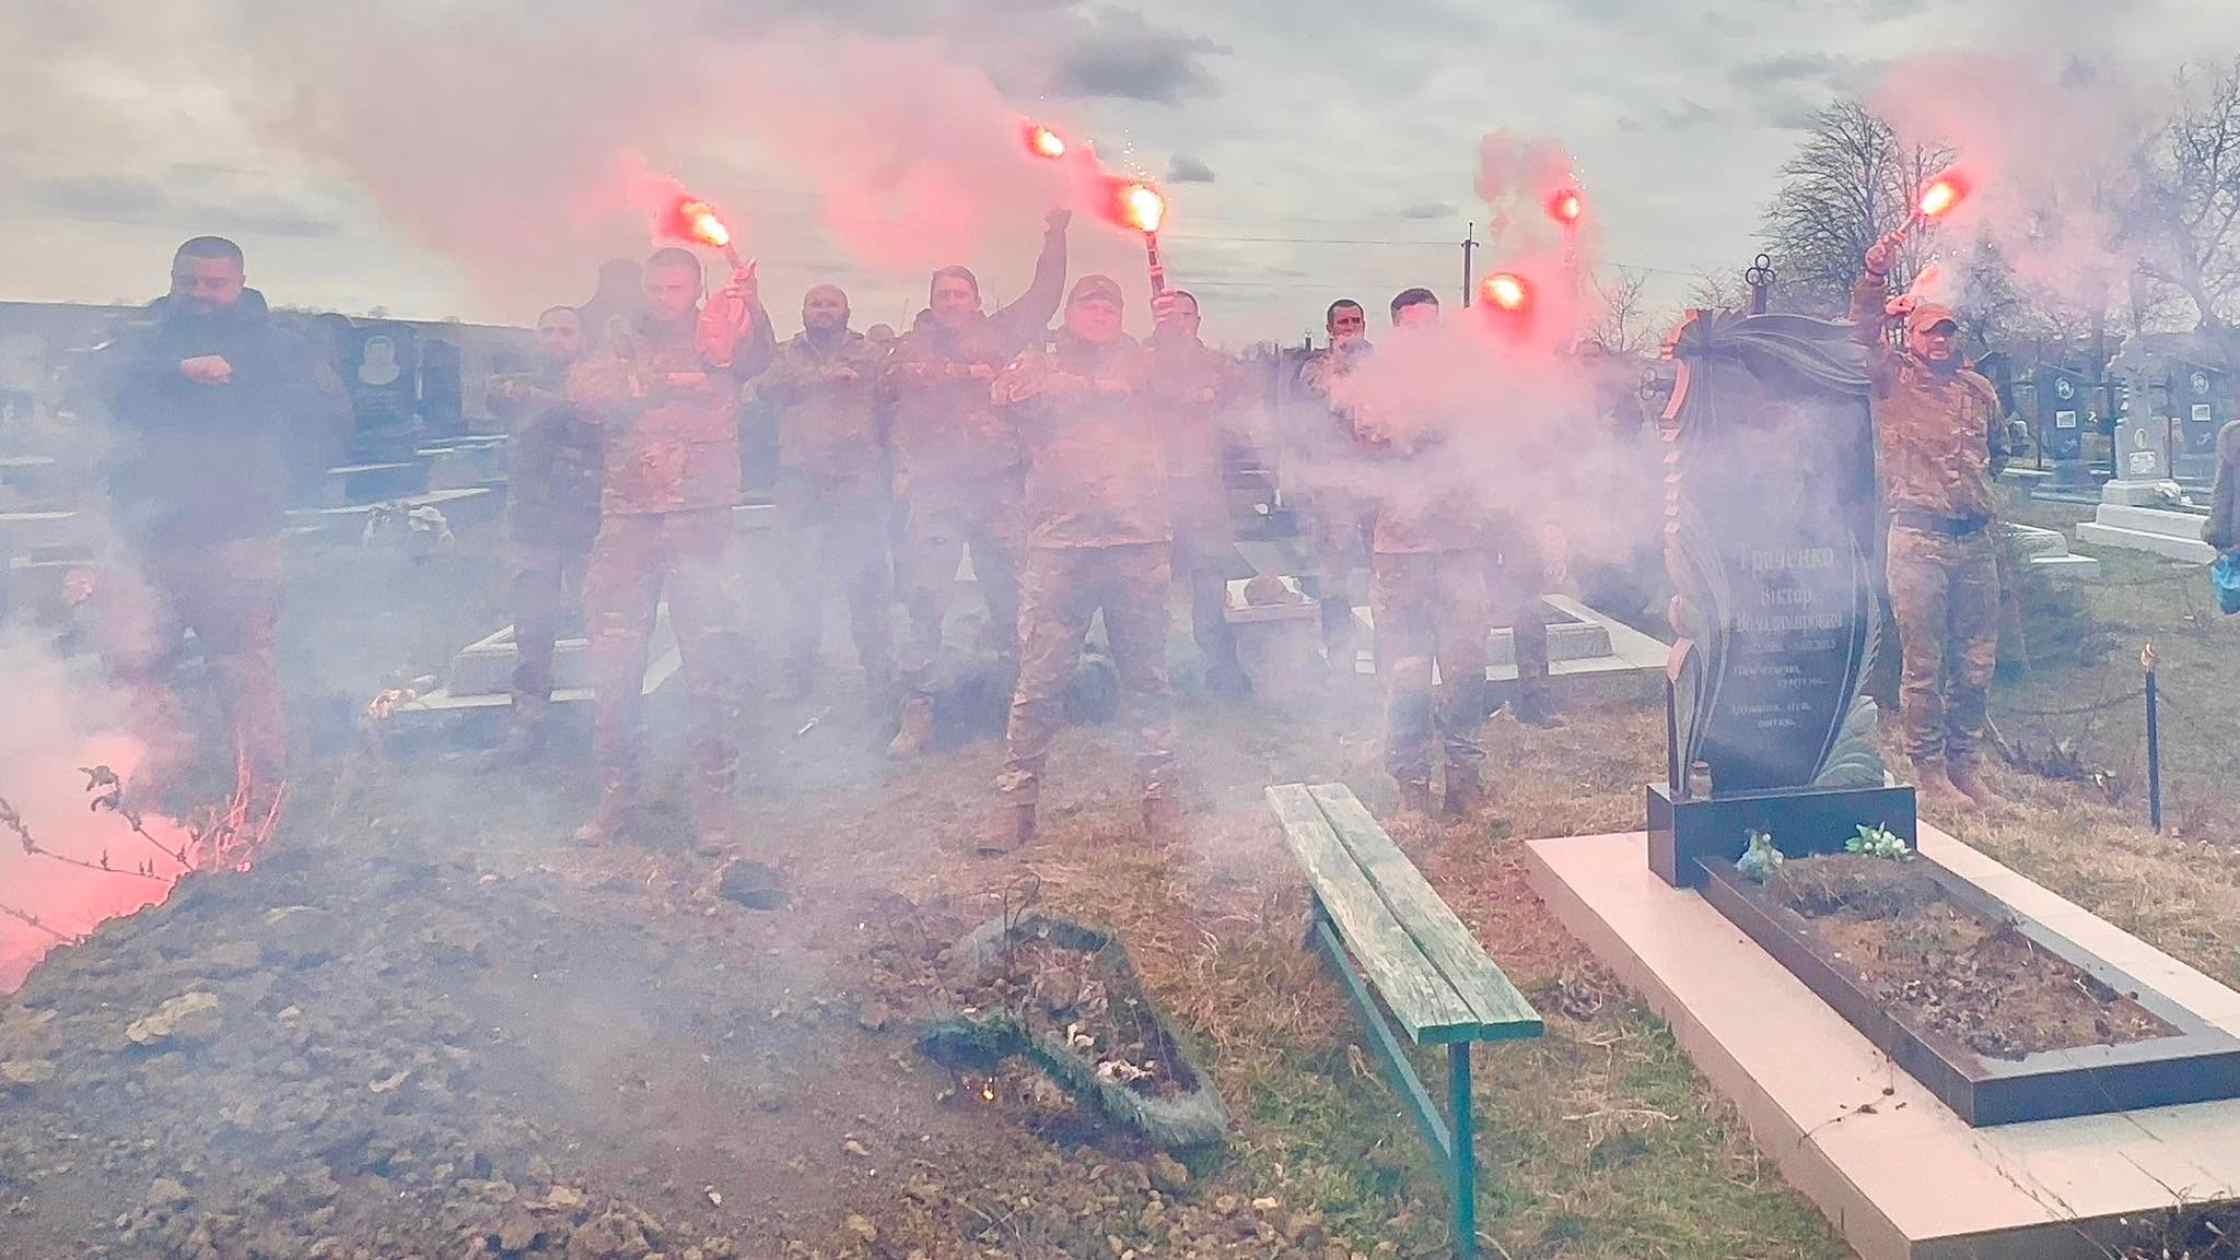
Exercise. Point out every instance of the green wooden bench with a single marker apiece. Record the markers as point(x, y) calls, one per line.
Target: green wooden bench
point(1397, 947)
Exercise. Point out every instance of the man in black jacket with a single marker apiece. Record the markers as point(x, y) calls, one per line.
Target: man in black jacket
point(209, 400)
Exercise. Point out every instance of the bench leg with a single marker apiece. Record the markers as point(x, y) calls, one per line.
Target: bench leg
point(1463, 1194)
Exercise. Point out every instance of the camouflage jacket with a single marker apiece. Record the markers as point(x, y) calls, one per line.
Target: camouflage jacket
point(1196, 392)
point(1423, 498)
point(554, 463)
point(2222, 529)
point(827, 402)
point(1939, 437)
point(1096, 458)
point(670, 416)
point(944, 428)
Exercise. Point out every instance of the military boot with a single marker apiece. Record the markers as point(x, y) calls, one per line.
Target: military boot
point(1010, 829)
point(916, 733)
point(1967, 776)
point(1415, 800)
point(1227, 679)
point(524, 740)
point(1532, 707)
point(1934, 792)
point(610, 818)
point(1162, 819)
point(1466, 794)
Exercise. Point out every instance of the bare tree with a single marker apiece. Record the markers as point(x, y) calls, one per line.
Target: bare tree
point(1719, 291)
point(2189, 214)
point(1852, 180)
point(1626, 324)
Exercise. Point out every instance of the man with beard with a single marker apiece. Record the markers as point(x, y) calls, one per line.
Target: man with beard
point(1939, 441)
point(212, 405)
point(665, 393)
point(1336, 511)
point(1428, 594)
point(1193, 389)
point(553, 514)
point(1097, 538)
point(831, 490)
point(957, 473)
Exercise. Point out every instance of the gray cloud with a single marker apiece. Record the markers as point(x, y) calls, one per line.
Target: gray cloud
point(131, 200)
point(1789, 68)
point(1119, 54)
point(1429, 210)
point(103, 198)
point(1185, 169)
point(1682, 116)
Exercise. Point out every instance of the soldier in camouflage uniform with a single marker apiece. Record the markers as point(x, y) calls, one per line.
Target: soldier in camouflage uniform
point(1097, 538)
point(1337, 515)
point(553, 514)
point(957, 466)
point(666, 395)
point(1194, 389)
point(1939, 441)
point(1428, 595)
point(832, 488)
point(213, 406)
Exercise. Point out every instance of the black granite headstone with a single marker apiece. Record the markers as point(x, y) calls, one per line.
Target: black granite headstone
point(442, 392)
point(1770, 539)
point(381, 370)
point(2201, 399)
point(2064, 413)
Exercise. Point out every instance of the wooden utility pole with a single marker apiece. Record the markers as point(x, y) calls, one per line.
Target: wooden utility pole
point(1469, 247)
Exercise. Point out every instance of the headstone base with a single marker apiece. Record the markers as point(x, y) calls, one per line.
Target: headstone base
point(2174, 535)
point(1802, 821)
point(2122, 493)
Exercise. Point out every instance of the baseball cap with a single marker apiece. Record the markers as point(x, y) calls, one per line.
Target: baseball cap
point(1096, 286)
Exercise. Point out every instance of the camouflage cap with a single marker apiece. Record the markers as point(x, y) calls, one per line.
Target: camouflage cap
point(1927, 315)
point(1096, 287)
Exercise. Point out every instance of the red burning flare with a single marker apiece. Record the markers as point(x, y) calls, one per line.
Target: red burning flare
point(1141, 206)
point(698, 221)
point(1506, 290)
point(694, 221)
point(1565, 206)
point(1943, 193)
point(1045, 143)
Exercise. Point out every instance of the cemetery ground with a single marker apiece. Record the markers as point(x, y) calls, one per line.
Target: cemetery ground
point(441, 1030)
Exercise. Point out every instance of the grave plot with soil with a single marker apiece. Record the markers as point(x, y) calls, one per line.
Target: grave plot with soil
point(1998, 1015)
point(1065, 999)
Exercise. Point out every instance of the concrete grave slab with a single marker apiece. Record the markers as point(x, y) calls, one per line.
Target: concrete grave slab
point(1581, 641)
point(461, 509)
point(1900, 1175)
point(482, 672)
point(2174, 535)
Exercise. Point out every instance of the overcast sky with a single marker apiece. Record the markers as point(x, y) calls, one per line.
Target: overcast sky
point(1312, 149)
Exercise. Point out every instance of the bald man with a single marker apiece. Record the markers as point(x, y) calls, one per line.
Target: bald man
point(831, 491)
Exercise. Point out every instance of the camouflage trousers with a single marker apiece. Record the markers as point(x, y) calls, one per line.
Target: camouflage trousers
point(940, 525)
point(636, 558)
point(833, 534)
point(1515, 577)
point(1432, 607)
point(1338, 526)
point(228, 593)
point(1202, 551)
point(1063, 588)
point(1945, 592)
point(547, 597)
